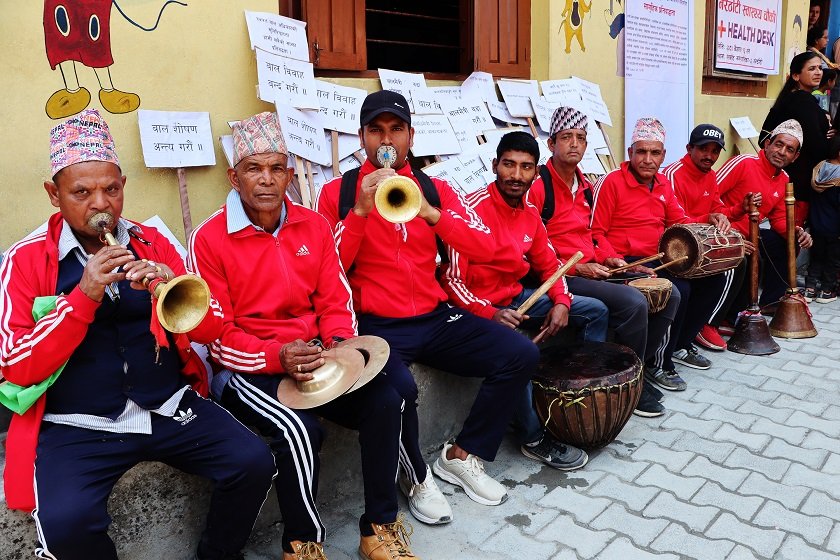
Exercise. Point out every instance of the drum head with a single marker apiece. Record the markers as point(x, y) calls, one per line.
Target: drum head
point(589, 364)
point(678, 242)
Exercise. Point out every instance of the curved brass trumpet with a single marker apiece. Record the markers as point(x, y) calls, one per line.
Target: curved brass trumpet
point(182, 302)
point(397, 198)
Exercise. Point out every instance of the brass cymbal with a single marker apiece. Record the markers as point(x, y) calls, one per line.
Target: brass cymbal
point(342, 368)
point(375, 351)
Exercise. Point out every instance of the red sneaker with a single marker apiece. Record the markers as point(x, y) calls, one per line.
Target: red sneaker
point(708, 337)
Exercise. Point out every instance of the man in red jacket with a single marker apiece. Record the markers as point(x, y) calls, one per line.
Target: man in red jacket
point(275, 268)
point(122, 395)
point(563, 197)
point(763, 177)
point(493, 289)
point(633, 206)
point(695, 185)
point(391, 268)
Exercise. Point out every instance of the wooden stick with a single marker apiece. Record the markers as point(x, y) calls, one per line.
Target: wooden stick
point(752, 143)
point(311, 181)
point(334, 136)
point(754, 219)
point(667, 264)
point(533, 127)
point(634, 263)
point(185, 201)
point(302, 183)
point(609, 145)
point(360, 156)
point(790, 203)
point(540, 336)
point(539, 292)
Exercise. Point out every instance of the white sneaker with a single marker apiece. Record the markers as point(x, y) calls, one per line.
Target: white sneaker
point(425, 500)
point(470, 476)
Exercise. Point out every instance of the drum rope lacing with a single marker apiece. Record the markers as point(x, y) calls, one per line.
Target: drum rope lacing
point(576, 397)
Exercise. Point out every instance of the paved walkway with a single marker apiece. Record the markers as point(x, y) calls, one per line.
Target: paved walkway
point(745, 464)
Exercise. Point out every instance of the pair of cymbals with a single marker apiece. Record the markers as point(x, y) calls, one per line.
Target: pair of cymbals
point(348, 366)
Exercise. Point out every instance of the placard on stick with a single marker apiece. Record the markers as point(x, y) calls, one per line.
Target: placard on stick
point(433, 135)
point(304, 134)
point(285, 80)
point(278, 34)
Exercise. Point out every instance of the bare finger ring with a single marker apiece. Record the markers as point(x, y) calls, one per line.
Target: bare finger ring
point(152, 263)
point(298, 368)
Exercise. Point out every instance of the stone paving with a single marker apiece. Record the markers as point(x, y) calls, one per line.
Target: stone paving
point(745, 464)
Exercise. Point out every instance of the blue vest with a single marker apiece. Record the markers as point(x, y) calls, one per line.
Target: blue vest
point(116, 359)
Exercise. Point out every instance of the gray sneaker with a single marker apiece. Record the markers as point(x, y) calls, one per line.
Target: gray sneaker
point(669, 380)
point(555, 454)
point(691, 358)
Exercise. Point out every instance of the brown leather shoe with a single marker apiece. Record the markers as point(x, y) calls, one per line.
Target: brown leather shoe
point(306, 551)
point(388, 542)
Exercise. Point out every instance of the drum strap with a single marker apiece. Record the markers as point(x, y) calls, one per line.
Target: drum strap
point(347, 199)
point(548, 205)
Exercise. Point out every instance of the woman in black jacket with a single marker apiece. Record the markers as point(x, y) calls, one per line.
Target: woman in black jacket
point(796, 101)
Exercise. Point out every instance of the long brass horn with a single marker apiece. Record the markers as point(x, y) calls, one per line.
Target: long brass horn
point(397, 198)
point(182, 302)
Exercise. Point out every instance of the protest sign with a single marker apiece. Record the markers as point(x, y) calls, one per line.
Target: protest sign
point(286, 81)
point(277, 34)
point(176, 139)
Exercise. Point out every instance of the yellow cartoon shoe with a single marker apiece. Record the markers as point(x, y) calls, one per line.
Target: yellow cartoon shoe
point(118, 102)
point(63, 103)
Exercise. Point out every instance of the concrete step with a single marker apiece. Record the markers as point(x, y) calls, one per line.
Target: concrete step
point(158, 512)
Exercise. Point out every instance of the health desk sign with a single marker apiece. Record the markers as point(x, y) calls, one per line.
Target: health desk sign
point(748, 35)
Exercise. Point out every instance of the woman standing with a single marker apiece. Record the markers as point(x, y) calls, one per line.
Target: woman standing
point(796, 101)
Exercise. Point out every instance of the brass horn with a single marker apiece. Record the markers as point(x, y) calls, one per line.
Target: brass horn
point(182, 302)
point(397, 198)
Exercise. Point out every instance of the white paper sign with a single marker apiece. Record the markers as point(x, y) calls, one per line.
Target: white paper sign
point(277, 34)
point(340, 106)
point(500, 112)
point(158, 223)
point(591, 164)
point(304, 134)
point(480, 84)
point(594, 105)
point(176, 139)
point(445, 171)
point(347, 145)
point(402, 82)
point(433, 135)
point(286, 81)
point(563, 92)
point(744, 127)
point(469, 117)
point(446, 93)
point(517, 95)
point(425, 102)
point(495, 135)
point(748, 35)
point(348, 163)
point(473, 173)
point(227, 147)
point(543, 109)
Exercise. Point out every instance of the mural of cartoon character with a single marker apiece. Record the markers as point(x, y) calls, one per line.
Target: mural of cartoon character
point(80, 31)
point(617, 33)
point(572, 25)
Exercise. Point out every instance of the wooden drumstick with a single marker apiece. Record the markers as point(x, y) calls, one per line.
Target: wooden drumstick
point(549, 283)
point(634, 263)
point(675, 261)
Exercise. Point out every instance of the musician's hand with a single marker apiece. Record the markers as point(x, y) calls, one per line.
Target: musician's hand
point(364, 202)
point(557, 319)
point(592, 270)
point(831, 133)
point(642, 269)
point(136, 271)
point(299, 359)
point(101, 270)
point(614, 262)
point(749, 248)
point(428, 212)
point(756, 198)
point(721, 222)
point(509, 318)
point(803, 238)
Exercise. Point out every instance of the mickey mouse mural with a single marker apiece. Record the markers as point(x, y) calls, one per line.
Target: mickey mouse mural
point(79, 31)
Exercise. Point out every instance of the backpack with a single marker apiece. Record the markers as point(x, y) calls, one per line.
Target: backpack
point(347, 199)
point(548, 205)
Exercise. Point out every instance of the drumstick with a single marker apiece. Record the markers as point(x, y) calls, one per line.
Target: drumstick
point(541, 336)
point(675, 261)
point(634, 263)
point(549, 283)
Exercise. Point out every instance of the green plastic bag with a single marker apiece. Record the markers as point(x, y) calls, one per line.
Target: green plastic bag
point(16, 398)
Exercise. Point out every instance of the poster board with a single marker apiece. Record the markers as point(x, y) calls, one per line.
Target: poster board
point(176, 138)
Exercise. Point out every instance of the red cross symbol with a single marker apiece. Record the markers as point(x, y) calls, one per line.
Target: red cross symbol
point(721, 29)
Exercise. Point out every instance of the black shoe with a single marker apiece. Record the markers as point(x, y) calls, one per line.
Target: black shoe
point(555, 454)
point(826, 297)
point(648, 406)
point(657, 394)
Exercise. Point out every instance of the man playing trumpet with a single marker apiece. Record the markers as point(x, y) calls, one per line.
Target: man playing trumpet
point(126, 393)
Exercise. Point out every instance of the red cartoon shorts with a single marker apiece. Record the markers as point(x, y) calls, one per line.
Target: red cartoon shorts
point(78, 30)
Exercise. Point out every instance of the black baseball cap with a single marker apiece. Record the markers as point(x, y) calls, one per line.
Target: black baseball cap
point(705, 134)
point(384, 101)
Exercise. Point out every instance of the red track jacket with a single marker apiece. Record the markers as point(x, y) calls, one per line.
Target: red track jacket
point(32, 351)
point(751, 174)
point(628, 218)
point(274, 289)
point(696, 191)
point(391, 267)
point(568, 228)
point(521, 243)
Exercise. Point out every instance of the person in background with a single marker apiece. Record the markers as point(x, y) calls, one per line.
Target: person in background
point(823, 92)
point(824, 219)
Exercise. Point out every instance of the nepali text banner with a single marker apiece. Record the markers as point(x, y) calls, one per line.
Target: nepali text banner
point(748, 35)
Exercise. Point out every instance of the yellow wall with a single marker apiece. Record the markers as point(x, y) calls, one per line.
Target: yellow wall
point(199, 60)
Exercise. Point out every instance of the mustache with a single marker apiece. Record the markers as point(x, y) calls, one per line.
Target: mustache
point(512, 183)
